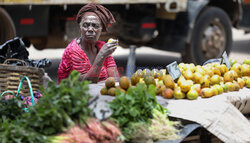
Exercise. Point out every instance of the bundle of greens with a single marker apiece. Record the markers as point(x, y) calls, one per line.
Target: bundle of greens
point(11, 109)
point(62, 106)
point(139, 114)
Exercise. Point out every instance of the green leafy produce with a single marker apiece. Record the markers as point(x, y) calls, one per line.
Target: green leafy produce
point(61, 107)
point(135, 107)
point(14, 132)
point(10, 109)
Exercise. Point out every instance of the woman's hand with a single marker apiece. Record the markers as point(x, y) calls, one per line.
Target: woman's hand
point(108, 49)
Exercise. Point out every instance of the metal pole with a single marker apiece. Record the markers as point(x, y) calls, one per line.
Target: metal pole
point(131, 61)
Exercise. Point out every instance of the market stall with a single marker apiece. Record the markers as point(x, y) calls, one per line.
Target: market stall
point(221, 115)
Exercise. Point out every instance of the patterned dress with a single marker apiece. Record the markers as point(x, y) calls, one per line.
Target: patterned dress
point(74, 58)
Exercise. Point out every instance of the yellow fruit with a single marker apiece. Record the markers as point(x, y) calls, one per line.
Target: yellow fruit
point(241, 82)
point(158, 89)
point(246, 61)
point(219, 88)
point(160, 82)
point(134, 79)
point(215, 79)
point(225, 87)
point(146, 72)
point(168, 81)
point(122, 90)
point(111, 40)
point(164, 71)
point(214, 90)
point(186, 85)
point(112, 91)
point(110, 82)
point(198, 78)
point(208, 71)
point(178, 94)
point(141, 80)
point(206, 93)
point(160, 75)
point(188, 74)
point(191, 67)
point(230, 86)
point(248, 82)
point(200, 70)
point(237, 68)
point(221, 79)
point(245, 70)
point(124, 82)
point(149, 80)
point(216, 71)
point(235, 75)
point(104, 91)
point(155, 73)
point(197, 87)
point(139, 73)
point(192, 94)
point(167, 93)
point(228, 77)
point(236, 86)
point(182, 66)
point(180, 80)
point(223, 69)
point(206, 80)
point(232, 62)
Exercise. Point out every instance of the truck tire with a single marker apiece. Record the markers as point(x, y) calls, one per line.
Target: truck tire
point(212, 35)
point(7, 27)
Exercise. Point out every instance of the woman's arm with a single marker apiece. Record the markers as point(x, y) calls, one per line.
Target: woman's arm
point(94, 72)
point(113, 72)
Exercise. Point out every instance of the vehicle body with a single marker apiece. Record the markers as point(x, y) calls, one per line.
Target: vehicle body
point(198, 29)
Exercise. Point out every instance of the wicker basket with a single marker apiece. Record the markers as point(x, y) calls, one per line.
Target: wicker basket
point(10, 77)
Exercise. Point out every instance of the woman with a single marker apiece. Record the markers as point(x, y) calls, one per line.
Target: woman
point(87, 55)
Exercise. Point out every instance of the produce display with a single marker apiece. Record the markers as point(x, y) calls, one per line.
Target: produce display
point(206, 81)
point(60, 116)
point(140, 117)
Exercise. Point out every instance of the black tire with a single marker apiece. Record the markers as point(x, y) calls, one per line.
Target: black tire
point(211, 19)
point(7, 27)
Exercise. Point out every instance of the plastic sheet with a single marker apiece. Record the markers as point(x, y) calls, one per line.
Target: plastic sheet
point(16, 49)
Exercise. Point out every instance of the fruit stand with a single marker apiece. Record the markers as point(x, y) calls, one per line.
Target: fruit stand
point(221, 115)
point(214, 95)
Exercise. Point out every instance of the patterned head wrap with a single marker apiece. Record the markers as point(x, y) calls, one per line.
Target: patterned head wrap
point(103, 13)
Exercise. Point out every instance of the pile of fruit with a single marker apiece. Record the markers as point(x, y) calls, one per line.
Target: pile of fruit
point(205, 81)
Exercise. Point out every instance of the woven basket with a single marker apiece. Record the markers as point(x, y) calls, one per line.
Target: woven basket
point(10, 77)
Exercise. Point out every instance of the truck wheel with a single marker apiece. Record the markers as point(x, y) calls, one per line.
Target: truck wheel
point(212, 35)
point(7, 28)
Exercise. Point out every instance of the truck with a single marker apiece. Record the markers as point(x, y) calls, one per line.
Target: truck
point(198, 29)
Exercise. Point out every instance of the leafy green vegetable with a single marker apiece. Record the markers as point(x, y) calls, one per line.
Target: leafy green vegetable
point(10, 109)
point(60, 107)
point(14, 132)
point(136, 106)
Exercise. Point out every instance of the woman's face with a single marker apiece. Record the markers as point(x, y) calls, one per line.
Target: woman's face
point(91, 27)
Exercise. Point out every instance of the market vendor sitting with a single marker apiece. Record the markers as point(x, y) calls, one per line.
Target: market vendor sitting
point(87, 55)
